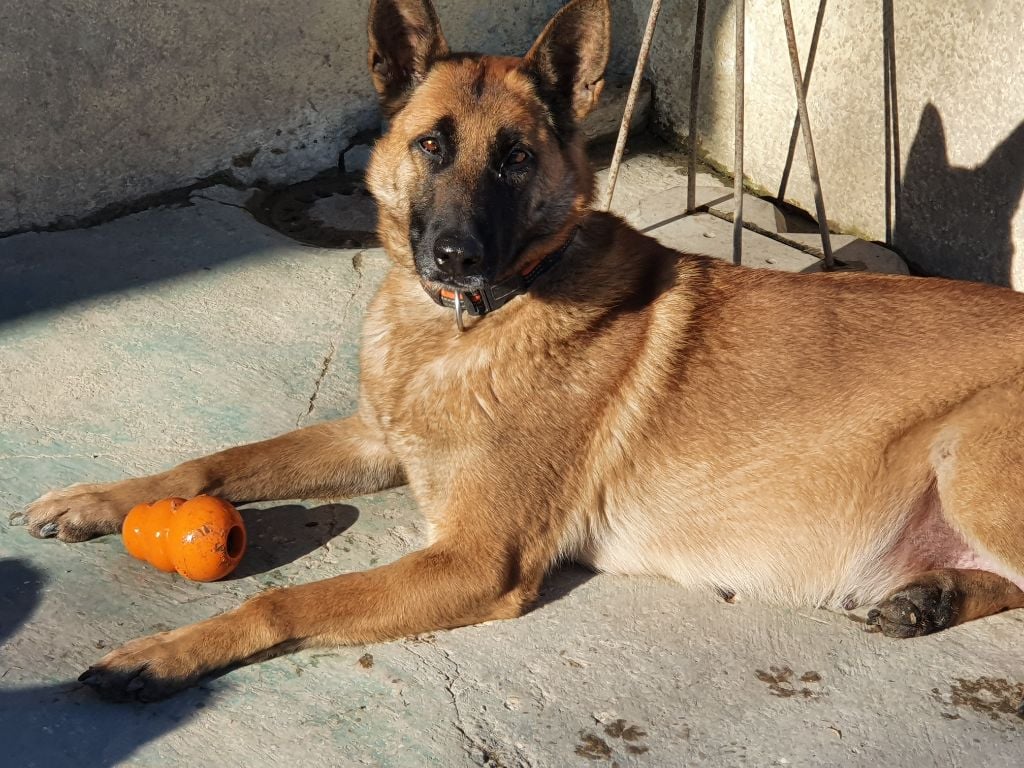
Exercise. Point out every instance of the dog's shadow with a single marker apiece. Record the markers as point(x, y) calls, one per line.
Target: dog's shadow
point(560, 582)
point(61, 723)
point(282, 534)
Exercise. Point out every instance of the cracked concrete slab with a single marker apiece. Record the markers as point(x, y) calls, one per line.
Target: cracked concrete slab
point(128, 347)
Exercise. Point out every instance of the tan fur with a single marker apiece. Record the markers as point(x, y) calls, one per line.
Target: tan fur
point(641, 410)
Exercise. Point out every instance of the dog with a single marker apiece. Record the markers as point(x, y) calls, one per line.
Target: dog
point(555, 386)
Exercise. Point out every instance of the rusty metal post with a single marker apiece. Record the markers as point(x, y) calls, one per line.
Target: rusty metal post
point(698, 52)
point(634, 88)
point(805, 128)
point(737, 188)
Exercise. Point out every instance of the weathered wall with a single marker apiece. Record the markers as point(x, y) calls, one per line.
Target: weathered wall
point(944, 187)
point(105, 102)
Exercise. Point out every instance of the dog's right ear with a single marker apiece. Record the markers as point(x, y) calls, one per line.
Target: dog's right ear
point(405, 40)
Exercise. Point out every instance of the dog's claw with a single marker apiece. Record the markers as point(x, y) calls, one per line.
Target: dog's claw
point(49, 530)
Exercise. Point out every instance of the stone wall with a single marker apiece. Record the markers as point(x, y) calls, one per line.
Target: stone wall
point(106, 102)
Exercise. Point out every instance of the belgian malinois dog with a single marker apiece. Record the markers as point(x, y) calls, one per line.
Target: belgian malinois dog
point(554, 385)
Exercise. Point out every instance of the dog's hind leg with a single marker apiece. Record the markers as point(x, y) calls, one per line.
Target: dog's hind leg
point(978, 461)
point(335, 459)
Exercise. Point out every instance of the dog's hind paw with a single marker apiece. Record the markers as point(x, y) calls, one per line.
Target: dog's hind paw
point(915, 610)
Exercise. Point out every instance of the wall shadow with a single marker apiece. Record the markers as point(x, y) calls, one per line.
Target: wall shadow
point(63, 723)
point(42, 272)
point(955, 221)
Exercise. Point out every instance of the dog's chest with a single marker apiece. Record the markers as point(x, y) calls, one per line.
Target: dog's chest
point(458, 408)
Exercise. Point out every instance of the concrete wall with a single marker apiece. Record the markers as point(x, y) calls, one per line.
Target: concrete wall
point(941, 180)
point(103, 102)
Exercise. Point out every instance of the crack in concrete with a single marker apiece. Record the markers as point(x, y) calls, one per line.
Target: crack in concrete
point(450, 680)
point(318, 382)
point(11, 456)
point(200, 196)
point(333, 349)
point(474, 746)
point(176, 197)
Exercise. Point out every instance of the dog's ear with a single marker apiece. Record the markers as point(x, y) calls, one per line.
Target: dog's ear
point(569, 58)
point(405, 40)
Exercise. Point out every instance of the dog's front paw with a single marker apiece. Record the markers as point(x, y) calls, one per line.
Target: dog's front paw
point(148, 669)
point(77, 513)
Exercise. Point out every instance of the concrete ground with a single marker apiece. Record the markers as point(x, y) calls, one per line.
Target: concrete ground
point(133, 345)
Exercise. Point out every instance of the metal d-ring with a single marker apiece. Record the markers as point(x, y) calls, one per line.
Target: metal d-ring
point(458, 311)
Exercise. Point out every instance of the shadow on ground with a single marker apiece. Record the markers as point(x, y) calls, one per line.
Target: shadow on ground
point(280, 535)
point(561, 582)
point(44, 272)
point(63, 723)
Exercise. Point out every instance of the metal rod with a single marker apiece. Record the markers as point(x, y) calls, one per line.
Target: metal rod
point(808, 68)
point(737, 223)
point(805, 127)
point(893, 162)
point(698, 52)
point(634, 88)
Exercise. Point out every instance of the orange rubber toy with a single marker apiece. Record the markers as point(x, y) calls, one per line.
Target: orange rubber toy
point(203, 539)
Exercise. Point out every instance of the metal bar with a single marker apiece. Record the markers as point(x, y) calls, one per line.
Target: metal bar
point(634, 88)
point(887, 118)
point(808, 68)
point(805, 127)
point(893, 162)
point(698, 52)
point(737, 190)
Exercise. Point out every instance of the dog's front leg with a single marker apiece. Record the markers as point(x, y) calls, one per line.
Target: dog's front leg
point(336, 459)
point(452, 583)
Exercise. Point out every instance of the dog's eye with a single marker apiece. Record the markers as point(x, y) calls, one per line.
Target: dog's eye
point(517, 158)
point(430, 145)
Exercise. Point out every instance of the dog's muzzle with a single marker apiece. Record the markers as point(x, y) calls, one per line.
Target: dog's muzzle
point(481, 301)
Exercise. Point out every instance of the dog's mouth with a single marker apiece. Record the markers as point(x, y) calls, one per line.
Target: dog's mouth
point(439, 281)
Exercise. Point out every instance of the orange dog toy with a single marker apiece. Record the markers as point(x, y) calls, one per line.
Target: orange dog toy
point(203, 539)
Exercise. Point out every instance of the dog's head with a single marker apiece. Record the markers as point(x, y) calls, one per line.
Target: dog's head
point(482, 171)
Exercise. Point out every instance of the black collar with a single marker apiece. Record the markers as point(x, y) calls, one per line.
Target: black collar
point(480, 302)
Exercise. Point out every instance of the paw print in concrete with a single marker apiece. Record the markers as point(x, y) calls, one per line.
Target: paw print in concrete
point(781, 683)
point(994, 697)
point(630, 738)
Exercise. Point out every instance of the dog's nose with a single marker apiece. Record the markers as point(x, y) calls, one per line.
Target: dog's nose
point(457, 255)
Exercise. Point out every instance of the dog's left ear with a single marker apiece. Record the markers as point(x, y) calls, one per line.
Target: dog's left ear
point(405, 41)
point(570, 56)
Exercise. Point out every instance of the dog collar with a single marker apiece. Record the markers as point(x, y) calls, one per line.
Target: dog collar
point(479, 302)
